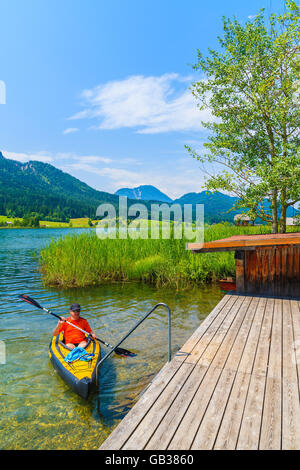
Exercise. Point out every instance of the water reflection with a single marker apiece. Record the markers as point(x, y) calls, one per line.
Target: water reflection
point(37, 409)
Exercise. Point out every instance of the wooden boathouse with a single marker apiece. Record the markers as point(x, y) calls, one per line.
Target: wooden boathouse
point(235, 384)
point(265, 264)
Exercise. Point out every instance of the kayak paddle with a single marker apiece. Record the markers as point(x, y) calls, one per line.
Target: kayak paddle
point(119, 351)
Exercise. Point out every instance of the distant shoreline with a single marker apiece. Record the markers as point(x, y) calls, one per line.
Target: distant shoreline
point(44, 228)
point(21, 222)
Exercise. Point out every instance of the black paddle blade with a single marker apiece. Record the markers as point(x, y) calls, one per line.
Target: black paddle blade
point(29, 300)
point(124, 352)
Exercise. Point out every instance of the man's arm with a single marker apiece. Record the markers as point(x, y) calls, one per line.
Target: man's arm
point(89, 330)
point(57, 330)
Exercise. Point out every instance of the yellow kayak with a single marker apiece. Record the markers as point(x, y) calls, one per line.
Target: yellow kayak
point(79, 375)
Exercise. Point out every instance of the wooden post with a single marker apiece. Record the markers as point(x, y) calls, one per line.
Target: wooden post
point(240, 270)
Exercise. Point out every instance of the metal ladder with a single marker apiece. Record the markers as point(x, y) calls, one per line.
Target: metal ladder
point(132, 330)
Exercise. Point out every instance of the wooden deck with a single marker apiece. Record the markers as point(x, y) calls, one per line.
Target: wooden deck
point(233, 385)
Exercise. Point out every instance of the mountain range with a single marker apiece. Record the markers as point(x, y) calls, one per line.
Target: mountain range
point(40, 188)
point(146, 193)
point(36, 187)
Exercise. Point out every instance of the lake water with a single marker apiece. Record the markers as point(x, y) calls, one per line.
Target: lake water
point(37, 409)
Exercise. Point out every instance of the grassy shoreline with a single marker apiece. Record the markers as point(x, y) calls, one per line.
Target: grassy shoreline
point(85, 260)
point(16, 222)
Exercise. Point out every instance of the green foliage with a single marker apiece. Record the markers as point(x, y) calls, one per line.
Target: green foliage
point(82, 260)
point(250, 88)
point(28, 221)
point(37, 187)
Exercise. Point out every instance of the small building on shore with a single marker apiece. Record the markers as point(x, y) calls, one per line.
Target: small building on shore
point(292, 221)
point(243, 219)
point(266, 264)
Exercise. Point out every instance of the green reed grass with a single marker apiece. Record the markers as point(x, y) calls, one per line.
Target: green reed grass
point(85, 260)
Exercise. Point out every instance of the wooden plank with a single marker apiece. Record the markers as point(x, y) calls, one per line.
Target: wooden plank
point(290, 270)
point(230, 425)
point(250, 308)
point(275, 358)
point(258, 270)
point(207, 350)
point(283, 277)
point(290, 390)
point(277, 272)
point(220, 348)
point(225, 317)
point(250, 428)
point(265, 271)
point(126, 427)
point(245, 242)
point(229, 430)
point(151, 420)
point(248, 356)
point(272, 414)
point(209, 426)
point(251, 421)
point(171, 421)
point(251, 266)
point(296, 273)
point(295, 313)
point(227, 355)
point(186, 431)
point(214, 318)
point(262, 355)
point(272, 265)
point(240, 271)
point(165, 431)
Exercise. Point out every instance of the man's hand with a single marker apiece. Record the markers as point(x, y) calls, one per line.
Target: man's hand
point(61, 321)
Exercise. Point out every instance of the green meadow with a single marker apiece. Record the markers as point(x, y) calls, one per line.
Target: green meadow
point(85, 260)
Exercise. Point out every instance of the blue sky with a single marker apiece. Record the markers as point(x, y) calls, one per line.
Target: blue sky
point(100, 89)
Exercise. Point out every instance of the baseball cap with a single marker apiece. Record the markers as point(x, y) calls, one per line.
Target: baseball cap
point(75, 308)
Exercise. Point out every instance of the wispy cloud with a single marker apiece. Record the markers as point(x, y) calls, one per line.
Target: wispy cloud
point(169, 180)
point(116, 173)
point(45, 157)
point(48, 157)
point(71, 130)
point(150, 105)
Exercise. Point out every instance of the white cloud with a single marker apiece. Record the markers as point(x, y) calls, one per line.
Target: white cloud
point(251, 17)
point(92, 159)
point(171, 181)
point(71, 130)
point(149, 104)
point(175, 180)
point(44, 157)
point(47, 157)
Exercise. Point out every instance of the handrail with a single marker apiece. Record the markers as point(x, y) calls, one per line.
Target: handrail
point(133, 329)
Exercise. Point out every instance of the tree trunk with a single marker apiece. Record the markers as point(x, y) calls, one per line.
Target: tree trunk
point(274, 212)
point(282, 228)
point(283, 204)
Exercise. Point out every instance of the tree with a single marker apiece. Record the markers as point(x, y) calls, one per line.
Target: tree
point(250, 89)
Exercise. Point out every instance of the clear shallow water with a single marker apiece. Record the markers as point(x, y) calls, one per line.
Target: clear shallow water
point(37, 409)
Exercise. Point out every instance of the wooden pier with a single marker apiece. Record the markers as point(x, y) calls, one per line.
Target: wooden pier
point(233, 385)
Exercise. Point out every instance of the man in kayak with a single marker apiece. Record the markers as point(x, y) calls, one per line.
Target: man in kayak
point(72, 336)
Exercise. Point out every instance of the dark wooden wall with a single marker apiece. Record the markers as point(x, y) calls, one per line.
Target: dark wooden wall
point(269, 270)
